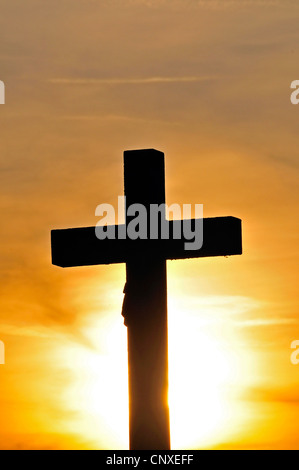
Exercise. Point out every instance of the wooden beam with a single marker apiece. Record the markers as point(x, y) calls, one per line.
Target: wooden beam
point(222, 236)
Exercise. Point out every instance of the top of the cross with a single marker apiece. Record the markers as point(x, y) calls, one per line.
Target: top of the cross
point(149, 150)
point(136, 154)
point(144, 177)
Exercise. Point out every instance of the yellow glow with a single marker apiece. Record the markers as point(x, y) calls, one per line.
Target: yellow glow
point(98, 392)
point(205, 377)
point(200, 368)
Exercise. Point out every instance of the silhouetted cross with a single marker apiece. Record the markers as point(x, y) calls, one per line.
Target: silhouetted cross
point(145, 301)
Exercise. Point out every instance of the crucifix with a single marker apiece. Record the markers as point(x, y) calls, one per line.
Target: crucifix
point(145, 301)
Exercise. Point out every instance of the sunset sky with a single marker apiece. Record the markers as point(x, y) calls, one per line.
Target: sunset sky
point(208, 83)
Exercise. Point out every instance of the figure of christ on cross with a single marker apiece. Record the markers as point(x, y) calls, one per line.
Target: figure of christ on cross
point(145, 301)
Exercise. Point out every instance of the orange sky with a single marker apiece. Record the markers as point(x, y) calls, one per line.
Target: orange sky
point(208, 83)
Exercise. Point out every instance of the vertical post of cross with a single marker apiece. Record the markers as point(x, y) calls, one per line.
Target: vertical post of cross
point(145, 312)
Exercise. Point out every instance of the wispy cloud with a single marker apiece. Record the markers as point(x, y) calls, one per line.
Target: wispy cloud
point(265, 322)
point(96, 117)
point(219, 4)
point(278, 395)
point(128, 81)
